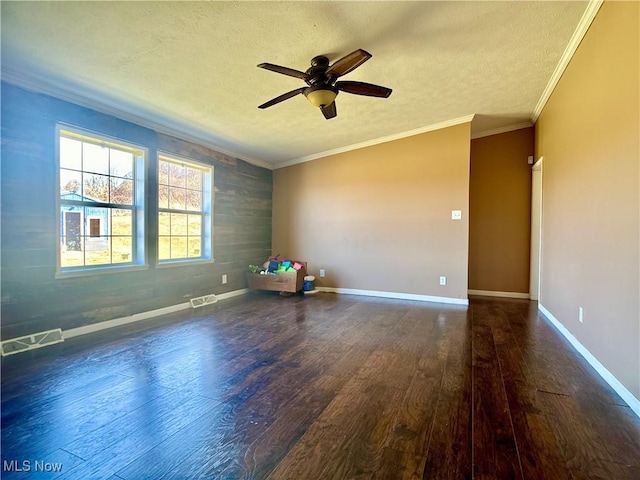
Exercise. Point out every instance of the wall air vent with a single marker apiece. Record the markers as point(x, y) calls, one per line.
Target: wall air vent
point(31, 342)
point(202, 301)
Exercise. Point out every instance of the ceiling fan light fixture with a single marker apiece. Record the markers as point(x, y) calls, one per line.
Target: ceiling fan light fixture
point(321, 95)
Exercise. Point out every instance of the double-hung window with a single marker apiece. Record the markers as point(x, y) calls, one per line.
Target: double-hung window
point(184, 210)
point(101, 202)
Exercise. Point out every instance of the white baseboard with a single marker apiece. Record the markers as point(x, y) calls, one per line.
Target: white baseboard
point(491, 293)
point(400, 296)
point(116, 322)
point(234, 293)
point(608, 377)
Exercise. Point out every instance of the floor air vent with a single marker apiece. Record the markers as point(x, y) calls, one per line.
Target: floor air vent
point(31, 342)
point(202, 301)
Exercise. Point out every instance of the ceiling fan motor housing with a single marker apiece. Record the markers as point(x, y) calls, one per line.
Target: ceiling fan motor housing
point(318, 71)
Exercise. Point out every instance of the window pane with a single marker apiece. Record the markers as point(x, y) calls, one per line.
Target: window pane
point(121, 191)
point(98, 251)
point(194, 247)
point(178, 247)
point(122, 249)
point(164, 223)
point(70, 182)
point(122, 222)
point(195, 225)
point(163, 172)
point(176, 198)
point(121, 164)
point(70, 153)
point(179, 224)
point(163, 196)
point(71, 242)
point(95, 158)
point(164, 248)
point(194, 178)
point(96, 188)
point(71, 259)
point(194, 200)
point(177, 175)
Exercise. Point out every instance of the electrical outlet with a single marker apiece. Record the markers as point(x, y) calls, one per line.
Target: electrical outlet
point(456, 214)
point(581, 314)
point(322, 272)
point(443, 280)
point(224, 279)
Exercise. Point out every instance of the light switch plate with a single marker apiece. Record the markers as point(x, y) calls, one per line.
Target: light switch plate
point(456, 214)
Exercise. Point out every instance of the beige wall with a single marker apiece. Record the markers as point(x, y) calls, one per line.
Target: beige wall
point(500, 212)
point(379, 218)
point(588, 134)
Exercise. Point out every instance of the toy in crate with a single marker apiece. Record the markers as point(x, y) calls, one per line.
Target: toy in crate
point(277, 275)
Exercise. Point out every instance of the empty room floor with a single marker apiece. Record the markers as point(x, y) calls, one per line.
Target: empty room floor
point(321, 386)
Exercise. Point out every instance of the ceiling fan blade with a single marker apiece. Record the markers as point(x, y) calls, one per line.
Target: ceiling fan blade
point(329, 111)
point(361, 88)
point(348, 63)
point(282, 97)
point(284, 70)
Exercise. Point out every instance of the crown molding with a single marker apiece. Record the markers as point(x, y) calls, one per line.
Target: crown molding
point(108, 105)
point(499, 130)
point(111, 106)
point(578, 34)
point(377, 141)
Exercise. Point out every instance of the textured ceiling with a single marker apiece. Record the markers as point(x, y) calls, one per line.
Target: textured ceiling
point(190, 67)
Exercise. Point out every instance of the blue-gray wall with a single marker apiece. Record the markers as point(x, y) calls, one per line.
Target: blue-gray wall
point(33, 299)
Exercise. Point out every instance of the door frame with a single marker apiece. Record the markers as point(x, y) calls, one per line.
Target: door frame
point(535, 256)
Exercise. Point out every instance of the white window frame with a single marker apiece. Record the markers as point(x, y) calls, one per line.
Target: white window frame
point(139, 256)
point(206, 235)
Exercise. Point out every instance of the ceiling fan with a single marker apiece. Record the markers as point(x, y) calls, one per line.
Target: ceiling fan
point(321, 80)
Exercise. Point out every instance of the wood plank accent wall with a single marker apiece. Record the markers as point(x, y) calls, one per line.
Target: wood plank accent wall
point(33, 300)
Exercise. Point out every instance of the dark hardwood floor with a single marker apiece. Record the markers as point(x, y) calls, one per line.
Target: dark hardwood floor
point(318, 387)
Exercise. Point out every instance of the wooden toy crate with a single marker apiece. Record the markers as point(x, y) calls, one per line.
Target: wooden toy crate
point(282, 282)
